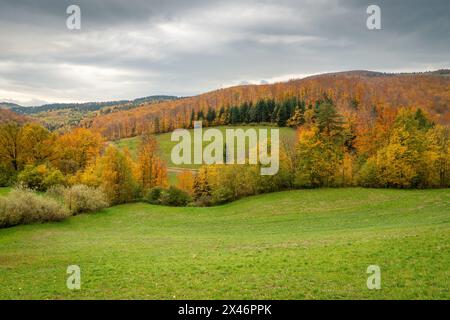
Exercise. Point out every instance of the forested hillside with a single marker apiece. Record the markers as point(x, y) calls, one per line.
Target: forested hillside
point(64, 116)
point(88, 106)
point(358, 94)
point(8, 115)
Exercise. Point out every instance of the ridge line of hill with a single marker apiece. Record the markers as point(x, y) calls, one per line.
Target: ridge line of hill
point(88, 106)
point(34, 109)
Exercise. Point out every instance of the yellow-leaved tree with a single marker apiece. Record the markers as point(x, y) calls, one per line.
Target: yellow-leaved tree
point(10, 146)
point(113, 172)
point(77, 149)
point(151, 170)
point(318, 159)
point(438, 156)
point(186, 182)
point(37, 144)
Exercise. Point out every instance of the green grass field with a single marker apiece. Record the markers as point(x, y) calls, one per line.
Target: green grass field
point(305, 244)
point(166, 145)
point(4, 191)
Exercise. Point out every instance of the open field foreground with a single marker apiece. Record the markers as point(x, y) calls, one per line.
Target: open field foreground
point(306, 244)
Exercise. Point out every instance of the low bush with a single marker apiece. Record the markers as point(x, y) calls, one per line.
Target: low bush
point(203, 201)
point(174, 197)
point(168, 197)
point(52, 178)
point(81, 198)
point(56, 192)
point(23, 206)
point(153, 195)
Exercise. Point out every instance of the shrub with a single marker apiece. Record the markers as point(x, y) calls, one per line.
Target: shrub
point(53, 178)
point(23, 206)
point(169, 197)
point(174, 197)
point(56, 192)
point(153, 195)
point(204, 201)
point(31, 177)
point(40, 177)
point(79, 198)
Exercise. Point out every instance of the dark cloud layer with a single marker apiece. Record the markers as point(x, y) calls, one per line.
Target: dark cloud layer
point(127, 49)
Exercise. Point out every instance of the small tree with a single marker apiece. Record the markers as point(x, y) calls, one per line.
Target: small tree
point(186, 182)
point(113, 172)
point(201, 185)
point(151, 170)
point(40, 177)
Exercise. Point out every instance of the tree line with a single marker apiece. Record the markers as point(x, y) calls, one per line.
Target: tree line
point(401, 150)
point(35, 158)
point(396, 149)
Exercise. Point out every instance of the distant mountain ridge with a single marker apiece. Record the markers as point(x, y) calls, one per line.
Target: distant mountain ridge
point(87, 106)
point(9, 105)
point(368, 73)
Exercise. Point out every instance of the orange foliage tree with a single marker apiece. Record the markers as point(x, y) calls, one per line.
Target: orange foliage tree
point(185, 181)
point(151, 170)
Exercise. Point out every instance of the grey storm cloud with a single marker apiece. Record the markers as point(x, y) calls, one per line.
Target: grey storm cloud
point(128, 49)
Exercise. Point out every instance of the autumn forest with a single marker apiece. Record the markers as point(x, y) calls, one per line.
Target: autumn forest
point(352, 129)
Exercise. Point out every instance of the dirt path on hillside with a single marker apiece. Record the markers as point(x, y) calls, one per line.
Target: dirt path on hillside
point(179, 170)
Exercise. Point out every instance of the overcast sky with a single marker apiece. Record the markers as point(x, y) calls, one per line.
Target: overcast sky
point(129, 49)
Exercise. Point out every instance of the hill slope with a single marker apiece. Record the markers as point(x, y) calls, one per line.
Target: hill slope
point(87, 106)
point(166, 145)
point(7, 115)
point(429, 91)
point(291, 245)
point(65, 115)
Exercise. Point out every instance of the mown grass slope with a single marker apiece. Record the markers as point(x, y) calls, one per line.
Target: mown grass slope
point(305, 244)
point(166, 144)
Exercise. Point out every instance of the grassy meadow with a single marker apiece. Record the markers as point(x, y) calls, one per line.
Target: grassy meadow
point(4, 191)
point(304, 244)
point(166, 145)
